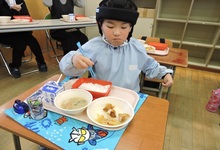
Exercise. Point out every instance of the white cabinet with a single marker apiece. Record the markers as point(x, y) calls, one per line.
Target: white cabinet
point(193, 25)
point(143, 27)
point(90, 10)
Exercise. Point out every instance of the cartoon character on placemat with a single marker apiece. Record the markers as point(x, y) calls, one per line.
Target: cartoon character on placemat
point(82, 135)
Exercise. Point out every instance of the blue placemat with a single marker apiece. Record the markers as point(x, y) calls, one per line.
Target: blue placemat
point(69, 133)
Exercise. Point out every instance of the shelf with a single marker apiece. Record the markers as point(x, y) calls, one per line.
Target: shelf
point(204, 10)
point(177, 9)
point(169, 30)
point(193, 25)
point(171, 20)
point(197, 44)
point(203, 34)
point(215, 60)
point(196, 61)
point(218, 43)
point(204, 22)
point(197, 55)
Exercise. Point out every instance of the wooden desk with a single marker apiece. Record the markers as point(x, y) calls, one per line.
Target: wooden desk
point(146, 130)
point(175, 58)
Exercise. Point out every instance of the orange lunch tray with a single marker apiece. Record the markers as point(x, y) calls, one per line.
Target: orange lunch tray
point(94, 81)
point(159, 46)
point(23, 17)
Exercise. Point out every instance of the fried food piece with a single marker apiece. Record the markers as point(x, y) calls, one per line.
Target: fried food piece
point(107, 107)
point(123, 117)
point(112, 113)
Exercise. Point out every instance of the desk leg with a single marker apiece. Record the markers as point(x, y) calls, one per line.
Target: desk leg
point(169, 89)
point(17, 143)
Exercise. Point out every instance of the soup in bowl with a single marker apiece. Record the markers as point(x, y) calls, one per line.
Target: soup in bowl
point(73, 101)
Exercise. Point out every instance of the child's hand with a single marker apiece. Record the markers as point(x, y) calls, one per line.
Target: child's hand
point(81, 62)
point(168, 80)
point(16, 7)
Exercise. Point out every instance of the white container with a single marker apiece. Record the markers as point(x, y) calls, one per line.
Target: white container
point(71, 17)
point(50, 91)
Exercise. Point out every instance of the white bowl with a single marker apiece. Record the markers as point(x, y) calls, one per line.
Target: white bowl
point(5, 19)
point(71, 94)
point(66, 17)
point(95, 109)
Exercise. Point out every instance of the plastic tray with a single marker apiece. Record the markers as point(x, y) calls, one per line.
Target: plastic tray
point(159, 52)
point(18, 23)
point(129, 95)
point(94, 81)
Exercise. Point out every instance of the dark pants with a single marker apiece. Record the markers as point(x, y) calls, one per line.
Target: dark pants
point(69, 39)
point(19, 41)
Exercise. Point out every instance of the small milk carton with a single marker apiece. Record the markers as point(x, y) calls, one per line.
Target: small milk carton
point(50, 90)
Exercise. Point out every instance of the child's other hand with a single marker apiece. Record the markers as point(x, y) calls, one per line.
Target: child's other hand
point(81, 62)
point(16, 7)
point(168, 80)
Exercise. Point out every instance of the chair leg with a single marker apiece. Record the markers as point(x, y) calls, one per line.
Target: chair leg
point(8, 69)
point(52, 46)
point(54, 51)
point(5, 63)
point(160, 91)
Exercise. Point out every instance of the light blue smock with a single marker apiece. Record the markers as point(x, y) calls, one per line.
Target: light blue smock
point(121, 65)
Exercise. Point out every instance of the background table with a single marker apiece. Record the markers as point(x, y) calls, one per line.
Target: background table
point(45, 25)
point(146, 131)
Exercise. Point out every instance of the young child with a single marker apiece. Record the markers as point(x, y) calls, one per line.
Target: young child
point(116, 56)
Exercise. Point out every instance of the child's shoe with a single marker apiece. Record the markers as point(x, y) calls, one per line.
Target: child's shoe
point(214, 101)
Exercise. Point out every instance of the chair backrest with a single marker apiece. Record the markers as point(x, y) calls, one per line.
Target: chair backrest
point(156, 39)
point(48, 16)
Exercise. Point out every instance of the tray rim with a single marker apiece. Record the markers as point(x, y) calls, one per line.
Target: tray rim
point(79, 116)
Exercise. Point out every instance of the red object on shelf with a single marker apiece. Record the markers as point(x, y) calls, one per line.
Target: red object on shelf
point(94, 81)
point(159, 46)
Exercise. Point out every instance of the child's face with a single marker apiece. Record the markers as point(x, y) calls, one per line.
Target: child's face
point(116, 32)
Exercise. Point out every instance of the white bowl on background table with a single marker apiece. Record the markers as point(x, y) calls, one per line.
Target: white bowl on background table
point(5, 19)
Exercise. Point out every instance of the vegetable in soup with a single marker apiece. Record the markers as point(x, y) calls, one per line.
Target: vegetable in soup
point(73, 103)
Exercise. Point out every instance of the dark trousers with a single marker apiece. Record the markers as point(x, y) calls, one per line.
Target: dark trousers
point(69, 39)
point(19, 41)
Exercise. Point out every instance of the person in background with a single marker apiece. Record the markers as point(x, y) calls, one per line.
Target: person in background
point(67, 37)
point(115, 56)
point(20, 40)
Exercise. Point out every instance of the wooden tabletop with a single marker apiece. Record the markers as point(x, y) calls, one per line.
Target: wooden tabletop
point(175, 57)
point(146, 130)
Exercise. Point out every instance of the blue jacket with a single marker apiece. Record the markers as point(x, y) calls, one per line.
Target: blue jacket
point(121, 65)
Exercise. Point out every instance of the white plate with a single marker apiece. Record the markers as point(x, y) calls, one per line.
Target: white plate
point(155, 51)
point(149, 48)
point(120, 106)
